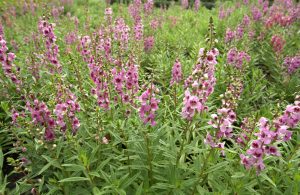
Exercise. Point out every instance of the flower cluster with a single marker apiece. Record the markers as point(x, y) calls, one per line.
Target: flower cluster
point(222, 121)
point(57, 11)
point(237, 58)
point(99, 77)
point(149, 104)
point(256, 14)
point(70, 38)
point(266, 137)
point(65, 113)
point(131, 80)
point(135, 10)
point(184, 4)
point(200, 84)
point(155, 24)
point(230, 35)
point(289, 119)
point(125, 81)
point(197, 5)
point(233, 93)
point(108, 15)
point(176, 73)
point(244, 137)
point(83, 47)
point(148, 43)
point(277, 43)
point(148, 6)
point(121, 33)
point(292, 63)
point(6, 59)
point(47, 30)
point(282, 14)
point(138, 30)
point(41, 115)
point(246, 20)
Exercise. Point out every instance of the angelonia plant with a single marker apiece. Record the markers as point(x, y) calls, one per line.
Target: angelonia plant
point(149, 97)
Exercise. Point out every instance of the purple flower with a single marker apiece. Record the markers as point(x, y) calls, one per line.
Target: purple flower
point(292, 64)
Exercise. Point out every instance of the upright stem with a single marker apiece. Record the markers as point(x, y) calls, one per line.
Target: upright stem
point(175, 96)
point(149, 159)
point(126, 145)
point(182, 144)
point(202, 170)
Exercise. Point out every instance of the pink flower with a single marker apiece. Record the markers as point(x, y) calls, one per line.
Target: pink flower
point(148, 6)
point(138, 30)
point(277, 43)
point(149, 105)
point(184, 4)
point(230, 35)
point(237, 58)
point(256, 14)
point(148, 43)
point(197, 5)
point(47, 30)
point(176, 73)
point(200, 83)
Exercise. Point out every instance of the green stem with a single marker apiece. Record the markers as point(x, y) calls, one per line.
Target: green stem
point(182, 144)
point(202, 170)
point(149, 159)
point(175, 97)
point(126, 145)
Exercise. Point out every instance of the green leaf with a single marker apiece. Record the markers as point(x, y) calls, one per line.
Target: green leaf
point(105, 176)
point(44, 168)
point(216, 167)
point(1, 158)
point(129, 181)
point(139, 190)
point(94, 173)
point(73, 167)
point(74, 179)
point(96, 191)
point(263, 175)
point(238, 175)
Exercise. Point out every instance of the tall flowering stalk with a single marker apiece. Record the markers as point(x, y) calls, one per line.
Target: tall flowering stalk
point(176, 73)
point(176, 78)
point(200, 84)
point(223, 121)
point(47, 30)
point(7, 58)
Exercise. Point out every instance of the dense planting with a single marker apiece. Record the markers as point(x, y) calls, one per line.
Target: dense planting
point(101, 98)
